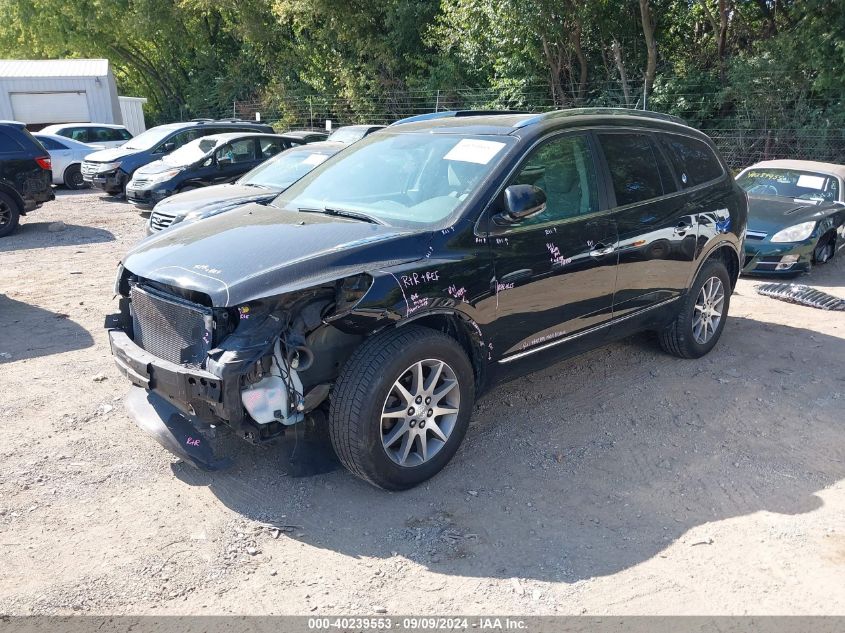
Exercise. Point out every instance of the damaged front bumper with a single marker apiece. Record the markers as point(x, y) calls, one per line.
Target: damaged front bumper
point(186, 436)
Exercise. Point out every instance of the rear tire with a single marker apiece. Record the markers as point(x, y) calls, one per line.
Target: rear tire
point(73, 178)
point(695, 330)
point(10, 213)
point(397, 397)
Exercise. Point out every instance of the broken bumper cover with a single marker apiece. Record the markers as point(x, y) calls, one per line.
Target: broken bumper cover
point(184, 385)
point(187, 437)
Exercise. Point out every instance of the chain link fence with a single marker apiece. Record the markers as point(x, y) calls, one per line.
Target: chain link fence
point(755, 126)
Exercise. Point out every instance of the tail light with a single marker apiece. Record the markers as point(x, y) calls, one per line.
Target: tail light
point(44, 162)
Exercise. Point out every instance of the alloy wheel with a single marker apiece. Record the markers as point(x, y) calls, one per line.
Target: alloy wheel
point(5, 214)
point(707, 313)
point(420, 412)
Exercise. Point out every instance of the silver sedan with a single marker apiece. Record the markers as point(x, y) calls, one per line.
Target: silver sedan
point(67, 156)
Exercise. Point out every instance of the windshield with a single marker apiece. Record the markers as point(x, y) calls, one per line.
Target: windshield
point(401, 179)
point(347, 135)
point(191, 152)
point(790, 183)
point(285, 169)
point(149, 139)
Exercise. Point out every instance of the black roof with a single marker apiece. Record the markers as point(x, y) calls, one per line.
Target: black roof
point(513, 124)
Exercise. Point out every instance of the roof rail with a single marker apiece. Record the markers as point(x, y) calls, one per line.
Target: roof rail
point(428, 116)
point(571, 112)
point(201, 120)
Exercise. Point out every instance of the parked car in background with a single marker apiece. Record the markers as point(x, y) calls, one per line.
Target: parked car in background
point(210, 160)
point(384, 291)
point(25, 176)
point(796, 215)
point(308, 136)
point(260, 185)
point(111, 169)
point(105, 135)
point(351, 133)
point(66, 156)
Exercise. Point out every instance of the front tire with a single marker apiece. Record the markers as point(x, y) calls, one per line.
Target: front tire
point(701, 319)
point(73, 177)
point(10, 213)
point(825, 248)
point(401, 407)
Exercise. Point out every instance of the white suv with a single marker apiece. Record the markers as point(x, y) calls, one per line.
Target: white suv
point(103, 134)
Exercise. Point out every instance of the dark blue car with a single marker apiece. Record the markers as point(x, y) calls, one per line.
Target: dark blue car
point(111, 169)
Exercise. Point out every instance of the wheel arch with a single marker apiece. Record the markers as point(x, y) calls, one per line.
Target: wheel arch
point(463, 329)
point(12, 192)
point(727, 254)
point(832, 234)
point(68, 166)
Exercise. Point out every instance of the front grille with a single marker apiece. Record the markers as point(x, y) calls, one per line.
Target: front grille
point(139, 182)
point(171, 328)
point(160, 221)
point(89, 169)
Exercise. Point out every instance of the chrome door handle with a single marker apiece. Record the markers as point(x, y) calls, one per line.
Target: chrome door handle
point(601, 250)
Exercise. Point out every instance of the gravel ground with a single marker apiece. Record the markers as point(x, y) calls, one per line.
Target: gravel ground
point(620, 482)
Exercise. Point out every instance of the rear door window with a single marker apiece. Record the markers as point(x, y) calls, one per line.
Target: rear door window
point(694, 160)
point(81, 134)
point(268, 147)
point(634, 164)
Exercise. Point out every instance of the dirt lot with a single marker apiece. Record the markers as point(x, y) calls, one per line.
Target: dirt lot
point(623, 482)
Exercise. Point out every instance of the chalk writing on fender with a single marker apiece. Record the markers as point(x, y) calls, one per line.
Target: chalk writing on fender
point(500, 286)
point(192, 441)
point(457, 292)
point(415, 303)
point(415, 279)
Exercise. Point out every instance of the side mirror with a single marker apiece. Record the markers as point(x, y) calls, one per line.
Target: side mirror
point(168, 147)
point(522, 201)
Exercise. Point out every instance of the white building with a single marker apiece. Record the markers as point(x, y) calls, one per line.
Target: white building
point(41, 92)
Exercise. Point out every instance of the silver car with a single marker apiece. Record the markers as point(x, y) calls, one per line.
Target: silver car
point(67, 156)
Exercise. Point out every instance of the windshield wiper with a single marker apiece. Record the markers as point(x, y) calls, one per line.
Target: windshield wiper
point(346, 213)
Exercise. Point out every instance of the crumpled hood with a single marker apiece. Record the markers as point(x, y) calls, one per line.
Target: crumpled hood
point(257, 251)
point(110, 155)
point(213, 199)
point(771, 213)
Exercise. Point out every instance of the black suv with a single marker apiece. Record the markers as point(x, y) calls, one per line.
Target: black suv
point(386, 290)
point(25, 175)
point(111, 169)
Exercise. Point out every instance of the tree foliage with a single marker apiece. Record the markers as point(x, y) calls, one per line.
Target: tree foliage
point(702, 59)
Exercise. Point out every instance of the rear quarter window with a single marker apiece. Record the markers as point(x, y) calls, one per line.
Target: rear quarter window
point(51, 144)
point(8, 144)
point(694, 160)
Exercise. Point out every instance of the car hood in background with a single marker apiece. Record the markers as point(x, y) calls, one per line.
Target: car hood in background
point(110, 155)
point(771, 213)
point(158, 166)
point(210, 200)
point(256, 251)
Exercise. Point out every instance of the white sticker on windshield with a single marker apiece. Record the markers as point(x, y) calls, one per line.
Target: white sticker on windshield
point(470, 150)
point(314, 159)
point(811, 182)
